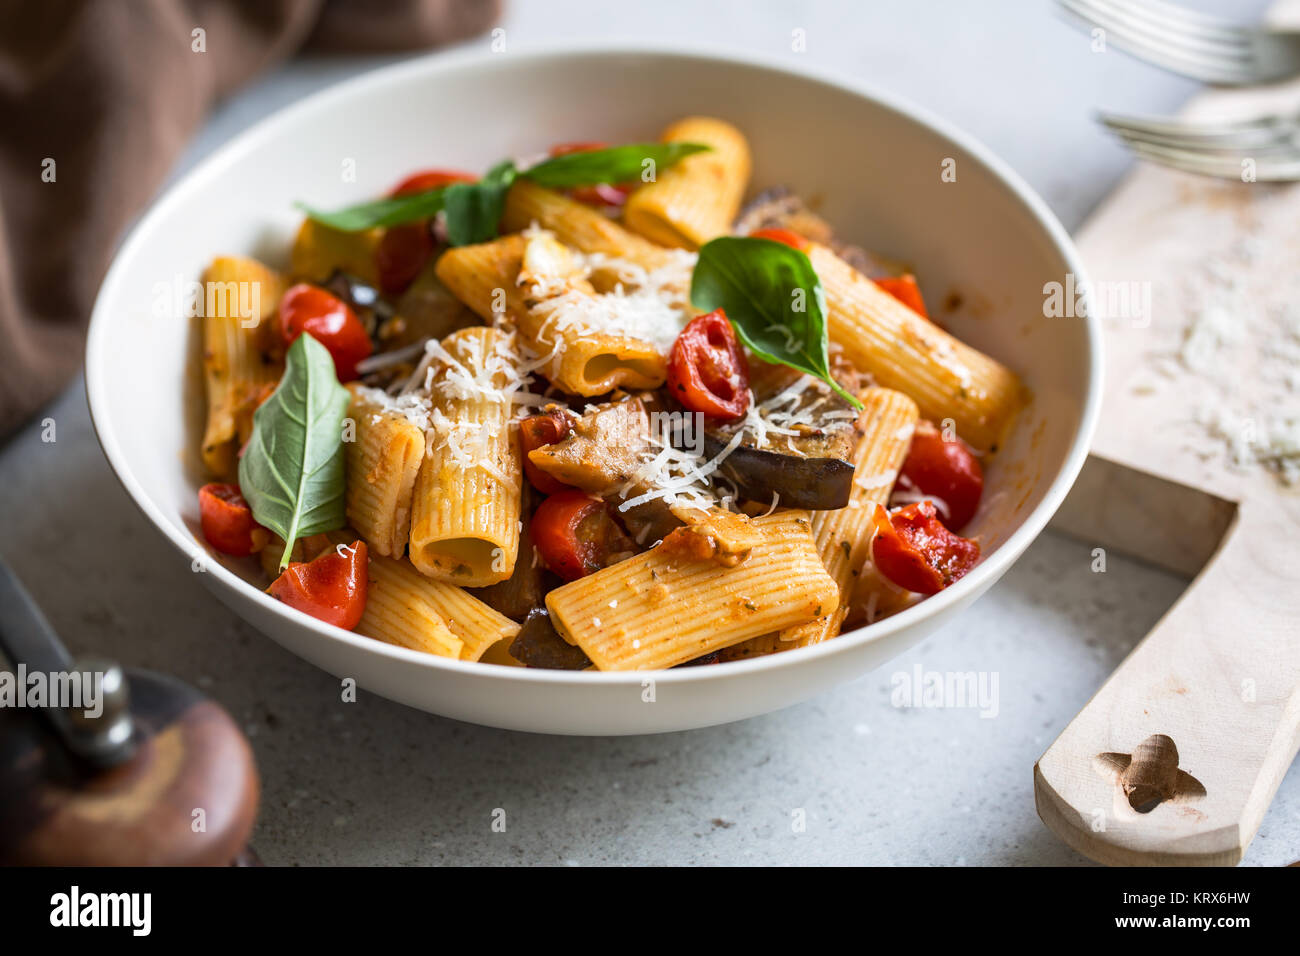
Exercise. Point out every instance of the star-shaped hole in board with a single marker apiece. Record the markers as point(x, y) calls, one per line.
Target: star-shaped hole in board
point(1150, 776)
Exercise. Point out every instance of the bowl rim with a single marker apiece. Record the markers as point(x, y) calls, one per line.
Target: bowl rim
point(442, 62)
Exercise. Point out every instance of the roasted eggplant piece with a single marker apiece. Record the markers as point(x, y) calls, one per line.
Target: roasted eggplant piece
point(426, 310)
point(710, 658)
point(538, 644)
point(818, 484)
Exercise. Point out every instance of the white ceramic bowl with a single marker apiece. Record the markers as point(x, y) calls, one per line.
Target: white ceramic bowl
point(873, 161)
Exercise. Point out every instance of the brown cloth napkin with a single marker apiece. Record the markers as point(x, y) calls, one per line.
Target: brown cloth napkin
point(96, 101)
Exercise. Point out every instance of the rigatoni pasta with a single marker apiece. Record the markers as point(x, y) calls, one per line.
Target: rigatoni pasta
point(567, 320)
point(485, 276)
point(655, 610)
point(555, 318)
point(383, 461)
point(697, 199)
point(398, 610)
point(406, 608)
point(240, 298)
point(947, 378)
point(465, 510)
point(844, 536)
point(577, 225)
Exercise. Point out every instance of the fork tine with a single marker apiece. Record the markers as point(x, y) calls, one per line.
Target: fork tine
point(1176, 30)
point(1262, 133)
point(1280, 169)
point(1257, 149)
point(1173, 17)
point(1194, 128)
point(1160, 50)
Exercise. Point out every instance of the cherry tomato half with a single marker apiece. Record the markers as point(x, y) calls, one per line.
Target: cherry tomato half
point(308, 308)
point(905, 290)
point(535, 431)
point(428, 179)
point(575, 534)
point(949, 471)
point(785, 236)
point(227, 521)
point(332, 587)
point(707, 370)
point(914, 550)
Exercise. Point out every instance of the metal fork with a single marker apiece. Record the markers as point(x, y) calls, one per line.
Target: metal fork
point(1271, 144)
point(1193, 44)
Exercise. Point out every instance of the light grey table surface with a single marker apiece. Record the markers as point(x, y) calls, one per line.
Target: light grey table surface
point(377, 783)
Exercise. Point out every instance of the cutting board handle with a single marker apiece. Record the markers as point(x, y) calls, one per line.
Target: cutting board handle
point(1177, 756)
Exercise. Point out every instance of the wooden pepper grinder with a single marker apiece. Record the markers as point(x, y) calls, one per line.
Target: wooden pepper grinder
point(161, 776)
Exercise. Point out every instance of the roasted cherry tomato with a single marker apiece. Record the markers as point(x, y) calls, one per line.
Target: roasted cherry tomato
point(786, 236)
point(564, 149)
point(575, 534)
point(600, 194)
point(536, 431)
point(905, 290)
point(914, 550)
point(428, 179)
point(404, 249)
point(707, 371)
point(402, 252)
point(308, 308)
point(948, 470)
point(603, 194)
point(227, 521)
point(332, 587)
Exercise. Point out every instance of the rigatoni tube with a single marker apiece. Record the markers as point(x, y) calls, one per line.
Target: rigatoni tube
point(906, 352)
point(240, 299)
point(405, 608)
point(697, 199)
point(656, 610)
point(465, 511)
point(578, 225)
point(383, 460)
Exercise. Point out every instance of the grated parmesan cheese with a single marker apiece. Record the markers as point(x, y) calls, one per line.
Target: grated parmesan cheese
point(1241, 341)
point(787, 412)
point(652, 305)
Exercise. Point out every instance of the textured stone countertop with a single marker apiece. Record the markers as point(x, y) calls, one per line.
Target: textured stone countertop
point(378, 783)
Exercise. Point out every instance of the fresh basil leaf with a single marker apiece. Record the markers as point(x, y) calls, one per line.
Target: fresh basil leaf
point(618, 164)
point(474, 210)
point(380, 212)
point(291, 473)
point(774, 299)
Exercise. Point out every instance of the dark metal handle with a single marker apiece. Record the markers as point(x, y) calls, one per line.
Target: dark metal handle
point(25, 635)
point(27, 639)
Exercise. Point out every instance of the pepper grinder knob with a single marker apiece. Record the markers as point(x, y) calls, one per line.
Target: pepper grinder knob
point(105, 736)
point(142, 771)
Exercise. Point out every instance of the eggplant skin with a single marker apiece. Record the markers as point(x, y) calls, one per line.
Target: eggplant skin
point(540, 645)
point(818, 484)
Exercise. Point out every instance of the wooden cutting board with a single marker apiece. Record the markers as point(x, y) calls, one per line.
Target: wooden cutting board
point(1176, 758)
